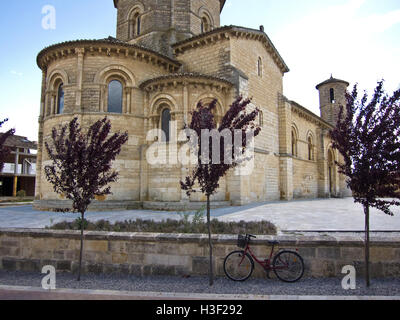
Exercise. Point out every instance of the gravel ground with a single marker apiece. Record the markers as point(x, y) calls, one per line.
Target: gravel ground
point(360, 234)
point(313, 287)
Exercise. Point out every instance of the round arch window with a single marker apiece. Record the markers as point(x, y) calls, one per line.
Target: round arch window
point(60, 99)
point(165, 124)
point(115, 89)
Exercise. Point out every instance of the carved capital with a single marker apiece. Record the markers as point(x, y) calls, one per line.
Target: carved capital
point(80, 51)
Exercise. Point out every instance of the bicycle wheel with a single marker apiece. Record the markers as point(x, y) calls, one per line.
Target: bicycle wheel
point(238, 266)
point(288, 266)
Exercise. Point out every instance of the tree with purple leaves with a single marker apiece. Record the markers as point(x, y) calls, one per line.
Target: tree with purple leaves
point(4, 151)
point(81, 166)
point(217, 150)
point(368, 136)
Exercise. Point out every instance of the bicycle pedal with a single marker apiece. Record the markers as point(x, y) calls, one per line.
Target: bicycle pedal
point(268, 275)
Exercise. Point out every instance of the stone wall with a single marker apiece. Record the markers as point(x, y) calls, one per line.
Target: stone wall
point(180, 254)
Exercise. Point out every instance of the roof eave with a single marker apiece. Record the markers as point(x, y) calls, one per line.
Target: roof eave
point(86, 42)
point(222, 3)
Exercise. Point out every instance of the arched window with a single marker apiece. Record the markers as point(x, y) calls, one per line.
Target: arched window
point(115, 96)
point(205, 24)
point(165, 124)
point(138, 24)
point(217, 111)
point(259, 67)
point(332, 95)
point(60, 99)
point(260, 118)
point(310, 148)
point(134, 25)
point(294, 143)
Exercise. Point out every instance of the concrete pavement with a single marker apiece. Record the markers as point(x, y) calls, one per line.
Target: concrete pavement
point(32, 293)
point(306, 215)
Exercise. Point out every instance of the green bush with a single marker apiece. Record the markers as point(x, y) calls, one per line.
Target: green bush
point(195, 225)
point(21, 194)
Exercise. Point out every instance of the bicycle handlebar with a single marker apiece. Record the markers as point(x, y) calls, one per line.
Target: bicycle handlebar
point(250, 236)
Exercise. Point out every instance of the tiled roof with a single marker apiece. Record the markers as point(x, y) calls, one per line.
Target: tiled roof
point(233, 28)
point(109, 40)
point(332, 80)
point(183, 75)
point(19, 141)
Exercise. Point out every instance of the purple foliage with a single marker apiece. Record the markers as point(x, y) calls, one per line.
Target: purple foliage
point(4, 151)
point(368, 137)
point(207, 172)
point(236, 118)
point(82, 163)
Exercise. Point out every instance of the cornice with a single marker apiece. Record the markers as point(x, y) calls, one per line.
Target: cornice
point(107, 46)
point(180, 79)
point(222, 3)
point(309, 116)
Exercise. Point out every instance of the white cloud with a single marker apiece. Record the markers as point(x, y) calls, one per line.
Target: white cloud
point(19, 74)
point(337, 40)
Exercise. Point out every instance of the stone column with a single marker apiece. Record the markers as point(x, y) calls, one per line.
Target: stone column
point(144, 180)
point(15, 184)
point(103, 98)
point(144, 166)
point(128, 91)
point(79, 79)
point(39, 160)
point(16, 161)
point(172, 13)
point(52, 103)
point(185, 103)
point(286, 158)
point(124, 101)
point(323, 187)
point(43, 96)
point(46, 105)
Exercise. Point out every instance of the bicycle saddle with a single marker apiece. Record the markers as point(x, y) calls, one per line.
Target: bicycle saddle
point(273, 242)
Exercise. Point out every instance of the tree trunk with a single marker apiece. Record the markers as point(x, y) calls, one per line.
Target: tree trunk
point(367, 276)
point(211, 274)
point(81, 252)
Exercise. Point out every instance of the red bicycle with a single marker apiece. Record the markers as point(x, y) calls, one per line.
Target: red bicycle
point(239, 265)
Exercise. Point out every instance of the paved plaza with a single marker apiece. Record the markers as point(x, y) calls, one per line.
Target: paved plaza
point(305, 215)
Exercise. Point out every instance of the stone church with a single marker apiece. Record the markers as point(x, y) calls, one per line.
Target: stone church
point(167, 56)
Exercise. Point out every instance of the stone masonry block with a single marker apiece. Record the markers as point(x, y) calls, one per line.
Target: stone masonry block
point(96, 245)
point(382, 254)
point(328, 253)
point(29, 265)
point(308, 252)
point(200, 265)
point(9, 264)
point(356, 254)
point(64, 265)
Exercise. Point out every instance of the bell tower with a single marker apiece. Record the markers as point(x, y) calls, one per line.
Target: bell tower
point(332, 95)
point(156, 24)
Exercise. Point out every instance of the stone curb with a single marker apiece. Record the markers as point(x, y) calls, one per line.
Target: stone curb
point(15, 204)
point(137, 295)
point(202, 238)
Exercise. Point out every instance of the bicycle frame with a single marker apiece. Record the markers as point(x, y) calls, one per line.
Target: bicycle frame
point(239, 265)
point(266, 264)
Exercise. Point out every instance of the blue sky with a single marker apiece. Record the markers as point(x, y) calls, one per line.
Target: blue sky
point(356, 40)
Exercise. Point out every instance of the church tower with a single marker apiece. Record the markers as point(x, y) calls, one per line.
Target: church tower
point(156, 24)
point(332, 95)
